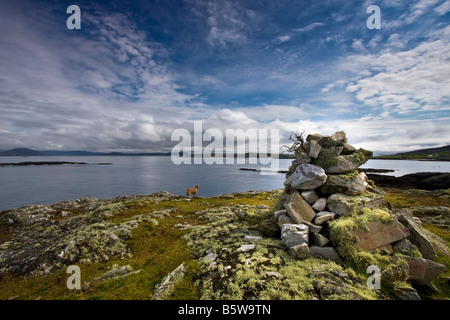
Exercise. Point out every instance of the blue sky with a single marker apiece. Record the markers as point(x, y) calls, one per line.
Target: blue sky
point(137, 70)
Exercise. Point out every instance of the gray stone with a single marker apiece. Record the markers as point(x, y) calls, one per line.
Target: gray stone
point(323, 216)
point(347, 149)
point(339, 136)
point(402, 245)
point(294, 234)
point(329, 253)
point(279, 213)
point(313, 149)
point(320, 204)
point(312, 227)
point(351, 183)
point(164, 290)
point(327, 142)
point(319, 240)
point(298, 209)
point(417, 235)
point(288, 181)
point(246, 247)
point(343, 204)
point(336, 150)
point(406, 294)
point(332, 163)
point(423, 271)
point(313, 137)
point(284, 219)
point(308, 177)
point(310, 196)
point(300, 251)
point(252, 238)
point(10, 221)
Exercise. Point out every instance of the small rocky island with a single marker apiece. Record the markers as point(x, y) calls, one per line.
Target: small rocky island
point(313, 240)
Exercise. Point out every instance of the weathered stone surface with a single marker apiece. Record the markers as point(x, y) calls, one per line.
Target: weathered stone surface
point(406, 294)
point(417, 236)
point(329, 253)
point(269, 228)
point(323, 216)
point(332, 163)
point(379, 235)
point(320, 204)
point(352, 183)
point(302, 156)
point(313, 137)
point(298, 209)
point(310, 196)
point(336, 150)
point(313, 149)
point(279, 213)
point(343, 204)
point(402, 245)
point(347, 149)
point(164, 290)
point(300, 251)
point(339, 136)
point(284, 219)
point(312, 227)
point(246, 247)
point(294, 234)
point(327, 142)
point(308, 177)
point(423, 271)
point(319, 240)
point(288, 181)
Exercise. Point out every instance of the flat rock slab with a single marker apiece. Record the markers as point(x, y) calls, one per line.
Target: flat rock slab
point(423, 271)
point(343, 204)
point(329, 253)
point(352, 183)
point(379, 235)
point(298, 209)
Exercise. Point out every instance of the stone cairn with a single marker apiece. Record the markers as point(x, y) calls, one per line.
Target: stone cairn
point(324, 183)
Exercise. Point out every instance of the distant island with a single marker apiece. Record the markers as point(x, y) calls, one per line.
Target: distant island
point(432, 154)
point(25, 152)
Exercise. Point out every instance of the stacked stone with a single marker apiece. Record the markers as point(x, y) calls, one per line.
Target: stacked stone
point(323, 183)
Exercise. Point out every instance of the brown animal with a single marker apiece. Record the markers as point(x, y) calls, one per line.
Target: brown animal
point(192, 191)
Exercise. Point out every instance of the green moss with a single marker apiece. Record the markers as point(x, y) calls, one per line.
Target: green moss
point(326, 159)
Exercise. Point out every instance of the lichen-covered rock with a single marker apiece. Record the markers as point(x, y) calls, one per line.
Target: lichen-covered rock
point(299, 251)
point(352, 183)
point(343, 204)
point(417, 236)
point(294, 234)
point(332, 163)
point(378, 234)
point(308, 177)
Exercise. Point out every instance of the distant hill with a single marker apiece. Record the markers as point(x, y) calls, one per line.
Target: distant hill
point(20, 152)
point(436, 154)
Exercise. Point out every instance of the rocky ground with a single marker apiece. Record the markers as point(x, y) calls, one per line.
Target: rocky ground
point(164, 246)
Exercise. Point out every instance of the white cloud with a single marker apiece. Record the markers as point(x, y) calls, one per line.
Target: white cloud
point(443, 8)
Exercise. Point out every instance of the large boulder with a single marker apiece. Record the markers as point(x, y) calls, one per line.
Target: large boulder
point(423, 271)
point(352, 183)
point(418, 236)
point(379, 235)
point(294, 234)
point(308, 177)
point(298, 209)
point(343, 204)
point(333, 163)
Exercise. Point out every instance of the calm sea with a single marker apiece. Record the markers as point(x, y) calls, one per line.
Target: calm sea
point(141, 175)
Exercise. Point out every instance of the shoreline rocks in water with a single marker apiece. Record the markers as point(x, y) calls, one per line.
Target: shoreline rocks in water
point(420, 180)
